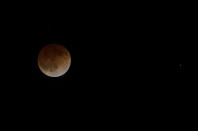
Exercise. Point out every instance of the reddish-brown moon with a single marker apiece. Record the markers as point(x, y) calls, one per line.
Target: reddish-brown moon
point(54, 60)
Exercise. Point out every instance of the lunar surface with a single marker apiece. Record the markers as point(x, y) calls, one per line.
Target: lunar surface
point(54, 60)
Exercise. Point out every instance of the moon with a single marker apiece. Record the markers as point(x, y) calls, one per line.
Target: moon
point(54, 60)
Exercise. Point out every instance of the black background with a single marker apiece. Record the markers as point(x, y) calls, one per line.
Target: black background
point(109, 47)
point(114, 49)
point(120, 55)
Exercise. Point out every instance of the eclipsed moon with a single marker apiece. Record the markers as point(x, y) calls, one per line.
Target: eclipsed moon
point(54, 60)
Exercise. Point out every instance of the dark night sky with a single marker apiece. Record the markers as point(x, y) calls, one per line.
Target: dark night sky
point(107, 46)
point(123, 61)
point(111, 52)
